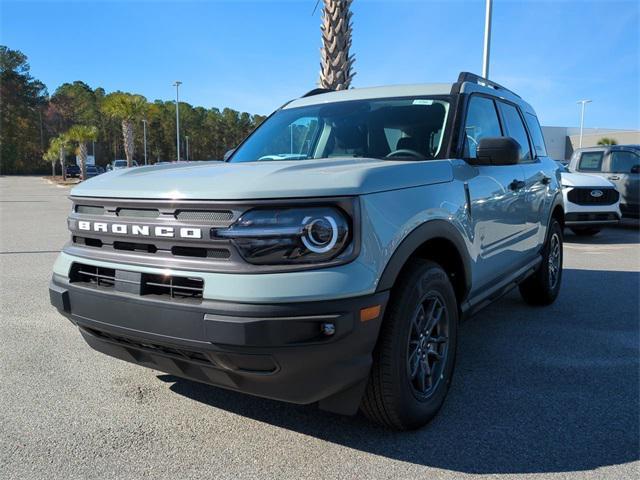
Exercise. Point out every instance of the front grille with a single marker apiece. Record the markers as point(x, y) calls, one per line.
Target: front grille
point(138, 212)
point(170, 286)
point(204, 215)
point(89, 210)
point(583, 196)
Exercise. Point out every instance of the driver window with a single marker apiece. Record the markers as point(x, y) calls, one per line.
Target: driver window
point(623, 161)
point(482, 121)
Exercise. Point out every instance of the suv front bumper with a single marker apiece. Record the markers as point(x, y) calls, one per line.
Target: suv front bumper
point(279, 351)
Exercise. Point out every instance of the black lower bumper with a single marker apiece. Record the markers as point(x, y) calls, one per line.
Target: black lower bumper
point(301, 353)
point(574, 219)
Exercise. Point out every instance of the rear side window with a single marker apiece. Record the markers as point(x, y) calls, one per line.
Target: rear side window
point(624, 161)
point(482, 121)
point(536, 134)
point(590, 162)
point(515, 129)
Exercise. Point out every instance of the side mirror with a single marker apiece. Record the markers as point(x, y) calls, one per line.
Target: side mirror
point(635, 169)
point(228, 154)
point(497, 151)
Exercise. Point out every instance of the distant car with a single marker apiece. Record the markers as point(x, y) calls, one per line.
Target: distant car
point(118, 164)
point(100, 169)
point(92, 171)
point(590, 202)
point(618, 163)
point(72, 171)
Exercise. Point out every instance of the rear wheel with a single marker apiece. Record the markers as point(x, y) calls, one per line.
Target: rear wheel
point(415, 355)
point(585, 231)
point(543, 286)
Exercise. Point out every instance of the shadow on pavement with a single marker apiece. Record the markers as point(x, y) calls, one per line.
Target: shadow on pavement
point(536, 390)
point(626, 232)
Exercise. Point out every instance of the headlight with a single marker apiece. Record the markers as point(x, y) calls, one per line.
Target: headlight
point(289, 235)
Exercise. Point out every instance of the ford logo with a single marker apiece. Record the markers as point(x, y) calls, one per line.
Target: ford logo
point(596, 193)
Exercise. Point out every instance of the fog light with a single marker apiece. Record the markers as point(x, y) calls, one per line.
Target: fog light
point(328, 329)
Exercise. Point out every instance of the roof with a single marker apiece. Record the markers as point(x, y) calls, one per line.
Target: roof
point(372, 93)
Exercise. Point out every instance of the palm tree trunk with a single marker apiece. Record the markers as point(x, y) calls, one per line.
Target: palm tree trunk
point(64, 172)
point(336, 64)
point(127, 134)
point(82, 153)
point(53, 169)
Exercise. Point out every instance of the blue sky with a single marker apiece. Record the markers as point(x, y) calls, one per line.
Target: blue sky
point(254, 56)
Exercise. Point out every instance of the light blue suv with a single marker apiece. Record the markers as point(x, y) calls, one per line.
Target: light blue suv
point(330, 258)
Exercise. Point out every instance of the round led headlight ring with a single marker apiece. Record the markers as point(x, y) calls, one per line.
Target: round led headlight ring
point(320, 233)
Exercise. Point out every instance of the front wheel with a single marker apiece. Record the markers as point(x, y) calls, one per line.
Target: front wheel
point(543, 286)
point(414, 359)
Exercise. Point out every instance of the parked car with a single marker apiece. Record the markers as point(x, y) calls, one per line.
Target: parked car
point(335, 277)
point(118, 164)
point(619, 164)
point(92, 171)
point(72, 171)
point(590, 202)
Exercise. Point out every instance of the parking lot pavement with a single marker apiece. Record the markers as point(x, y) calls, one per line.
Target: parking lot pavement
point(552, 392)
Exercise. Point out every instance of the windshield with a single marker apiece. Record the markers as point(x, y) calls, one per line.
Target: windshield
point(403, 128)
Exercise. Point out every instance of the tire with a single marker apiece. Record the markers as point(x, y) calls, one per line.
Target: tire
point(585, 231)
point(393, 398)
point(543, 286)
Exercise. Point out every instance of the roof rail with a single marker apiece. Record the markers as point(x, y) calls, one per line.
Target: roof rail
point(316, 91)
point(473, 78)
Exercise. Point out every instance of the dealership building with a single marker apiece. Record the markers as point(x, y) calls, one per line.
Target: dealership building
point(562, 141)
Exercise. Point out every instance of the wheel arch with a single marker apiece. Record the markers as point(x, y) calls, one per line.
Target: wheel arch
point(436, 240)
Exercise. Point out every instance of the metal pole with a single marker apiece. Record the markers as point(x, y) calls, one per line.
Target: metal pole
point(144, 135)
point(583, 103)
point(187, 137)
point(177, 85)
point(487, 38)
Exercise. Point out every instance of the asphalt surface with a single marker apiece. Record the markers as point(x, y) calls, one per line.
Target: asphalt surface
point(543, 392)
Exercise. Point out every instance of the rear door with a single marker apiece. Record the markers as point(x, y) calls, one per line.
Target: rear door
point(622, 168)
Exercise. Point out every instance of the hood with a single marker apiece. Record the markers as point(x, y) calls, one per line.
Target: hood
point(571, 179)
point(258, 180)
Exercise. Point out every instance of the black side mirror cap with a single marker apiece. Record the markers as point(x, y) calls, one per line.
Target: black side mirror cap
point(497, 151)
point(635, 169)
point(228, 154)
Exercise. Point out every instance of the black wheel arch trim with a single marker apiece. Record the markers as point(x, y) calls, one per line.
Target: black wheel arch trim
point(430, 230)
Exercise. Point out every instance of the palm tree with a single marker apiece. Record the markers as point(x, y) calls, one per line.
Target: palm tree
point(607, 141)
point(82, 134)
point(51, 155)
point(127, 108)
point(336, 64)
point(59, 147)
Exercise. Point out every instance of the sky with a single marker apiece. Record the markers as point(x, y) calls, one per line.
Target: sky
point(255, 55)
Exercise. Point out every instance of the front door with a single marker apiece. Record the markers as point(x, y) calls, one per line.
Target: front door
point(497, 212)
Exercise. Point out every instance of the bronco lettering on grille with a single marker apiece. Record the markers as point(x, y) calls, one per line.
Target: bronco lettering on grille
point(142, 230)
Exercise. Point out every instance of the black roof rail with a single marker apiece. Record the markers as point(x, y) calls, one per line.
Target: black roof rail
point(316, 91)
point(473, 78)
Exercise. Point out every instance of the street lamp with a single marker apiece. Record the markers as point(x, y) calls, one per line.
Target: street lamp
point(177, 85)
point(583, 103)
point(187, 137)
point(487, 38)
point(144, 135)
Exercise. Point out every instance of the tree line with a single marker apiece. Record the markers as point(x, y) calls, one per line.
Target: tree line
point(38, 130)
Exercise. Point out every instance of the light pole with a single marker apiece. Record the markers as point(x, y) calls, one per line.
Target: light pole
point(583, 103)
point(187, 137)
point(177, 85)
point(487, 38)
point(144, 135)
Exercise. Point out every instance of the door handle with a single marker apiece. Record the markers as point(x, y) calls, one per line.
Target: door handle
point(516, 185)
point(614, 177)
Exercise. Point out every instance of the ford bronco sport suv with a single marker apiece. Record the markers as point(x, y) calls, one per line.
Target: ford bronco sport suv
point(329, 259)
